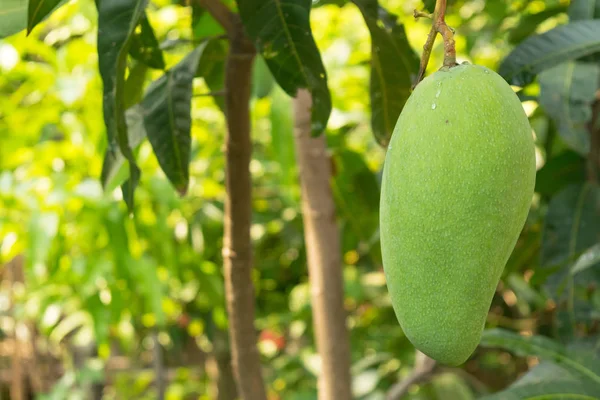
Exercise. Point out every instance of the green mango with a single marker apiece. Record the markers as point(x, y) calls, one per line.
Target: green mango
point(457, 185)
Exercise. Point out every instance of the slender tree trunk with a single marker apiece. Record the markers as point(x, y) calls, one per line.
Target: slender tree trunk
point(323, 252)
point(237, 247)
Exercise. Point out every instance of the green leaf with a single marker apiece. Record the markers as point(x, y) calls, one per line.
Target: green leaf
point(554, 390)
point(42, 230)
point(144, 45)
point(584, 9)
point(117, 20)
point(262, 80)
point(282, 34)
point(584, 367)
point(588, 259)
point(203, 24)
point(567, 92)
point(394, 66)
point(167, 118)
point(134, 85)
point(566, 168)
point(114, 171)
point(544, 51)
point(13, 17)
point(572, 224)
point(529, 23)
point(40, 9)
point(211, 68)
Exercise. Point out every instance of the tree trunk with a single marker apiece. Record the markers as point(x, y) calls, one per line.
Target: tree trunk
point(237, 247)
point(322, 239)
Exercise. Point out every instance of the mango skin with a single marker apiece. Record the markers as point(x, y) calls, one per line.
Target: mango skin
point(457, 185)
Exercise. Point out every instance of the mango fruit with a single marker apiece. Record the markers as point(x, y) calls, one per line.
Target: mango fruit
point(457, 185)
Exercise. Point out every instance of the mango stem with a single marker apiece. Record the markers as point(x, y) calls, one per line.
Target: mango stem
point(439, 26)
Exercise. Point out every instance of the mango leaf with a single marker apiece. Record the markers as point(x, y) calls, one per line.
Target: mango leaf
point(589, 258)
point(282, 34)
point(584, 9)
point(166, 107)
point(211, 68)
point(561, 170)
point(13, 17)
point(134, 85)
point(144, 45)
point(585, 365)
point(529, 23)
point(40, 9)
point(572, 226)
point(567, 92)
point(551, 48)
point(394, 66)
point(559, 389)
point(117, 20)
point(114, 171)
point(262, 80)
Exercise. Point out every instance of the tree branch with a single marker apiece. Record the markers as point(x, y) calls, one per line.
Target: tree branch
point(423, 370)
point(438, 26)
point(593, 161)
point(221, 13)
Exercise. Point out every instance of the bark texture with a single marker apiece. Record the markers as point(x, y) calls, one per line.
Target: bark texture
point(322, 239)
point(237, 247)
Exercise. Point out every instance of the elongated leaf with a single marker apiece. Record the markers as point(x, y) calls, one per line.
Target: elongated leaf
point(572, 224)
point(114, 171)
point(528, 23)
point(585, 368)
point(134, 85)
point(167, 118)
point(584, 9)
point(554, 390)
point(281, 32)
point(13, 17)
point(588, 259)
point(37, 10)
point(562, 170)
point(262, 80)
point(144, 45)
point(394, 65)
point(211, 68)
point(567, 92)
point(544, 51)
point(117, 20)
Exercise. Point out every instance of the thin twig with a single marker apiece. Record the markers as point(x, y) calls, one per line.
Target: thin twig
point(220, 12)
point(423, 370)
point(439, 26)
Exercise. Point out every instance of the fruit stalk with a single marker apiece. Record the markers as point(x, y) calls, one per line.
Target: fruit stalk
point(438, 26)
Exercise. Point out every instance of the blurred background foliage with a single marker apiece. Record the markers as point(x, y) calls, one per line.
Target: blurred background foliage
point(92, 294)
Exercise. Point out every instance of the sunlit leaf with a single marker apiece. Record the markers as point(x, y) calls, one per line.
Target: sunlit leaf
point(544, 51)
point(166, 107)
point(114, 171)
point(588, 259)
point(117, 20)
point(567, 92)
point(144, 45)
point(13, 17)
point(394, 66)
point(40, 9)
point(282, 34)
point(585, 367)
